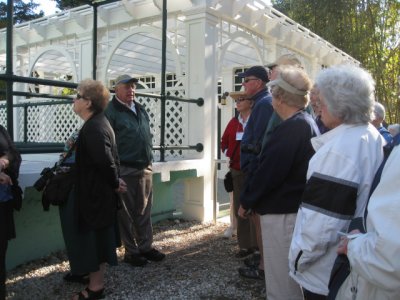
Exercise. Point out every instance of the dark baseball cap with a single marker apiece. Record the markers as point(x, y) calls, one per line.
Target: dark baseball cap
point(257, 71)
point(125, 79)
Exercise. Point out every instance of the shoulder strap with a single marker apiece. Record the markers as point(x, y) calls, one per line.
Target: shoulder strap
point(69, 153)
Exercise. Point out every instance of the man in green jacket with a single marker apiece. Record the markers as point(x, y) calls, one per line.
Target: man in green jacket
point(130, 122)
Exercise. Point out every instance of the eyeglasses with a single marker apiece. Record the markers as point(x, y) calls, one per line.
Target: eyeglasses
point(240, 100)
point(248, 79)
point(79, 96)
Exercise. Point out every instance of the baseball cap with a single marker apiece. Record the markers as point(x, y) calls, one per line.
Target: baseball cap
point(125, 79)
point(287, 59)
point(256, 71)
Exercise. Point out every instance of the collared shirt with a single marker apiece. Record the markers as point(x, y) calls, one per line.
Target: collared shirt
point(243, 122)
point(131, 107)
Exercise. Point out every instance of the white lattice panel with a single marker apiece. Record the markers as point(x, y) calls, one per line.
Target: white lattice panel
point(3, 116)
point(175, 122)
point(55, 123)
point(47, 123)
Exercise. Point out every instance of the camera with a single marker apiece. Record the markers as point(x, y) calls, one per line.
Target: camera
point(45, 175)
point(250, 148)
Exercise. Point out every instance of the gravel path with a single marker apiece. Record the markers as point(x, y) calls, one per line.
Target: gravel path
point(200, 264)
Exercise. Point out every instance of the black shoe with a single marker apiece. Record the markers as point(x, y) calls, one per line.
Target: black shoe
point(244, 252)
point(252, 273)
point(91, 295)
point(84, 279)
point(136, 260)
point(154, 255)
point(252, 261)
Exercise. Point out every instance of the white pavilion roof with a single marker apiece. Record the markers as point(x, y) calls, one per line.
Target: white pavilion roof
point(255, 17)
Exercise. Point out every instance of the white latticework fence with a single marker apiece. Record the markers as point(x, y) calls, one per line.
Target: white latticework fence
point(46, 121)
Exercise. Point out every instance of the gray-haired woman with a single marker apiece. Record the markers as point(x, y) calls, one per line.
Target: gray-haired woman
point(339, 175)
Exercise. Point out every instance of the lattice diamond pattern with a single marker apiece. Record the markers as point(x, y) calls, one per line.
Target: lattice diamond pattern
point(55, 123)
point(175, 120)
point(48, 123)
point(3, 116)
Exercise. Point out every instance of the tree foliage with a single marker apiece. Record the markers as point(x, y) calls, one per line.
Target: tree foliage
point(368, 30)
point(22, 12)
point(68, 4)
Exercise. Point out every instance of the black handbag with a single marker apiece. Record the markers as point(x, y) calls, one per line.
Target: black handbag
point(58, 187)
point(228, 182)
point(341, 267)
point(56, 183)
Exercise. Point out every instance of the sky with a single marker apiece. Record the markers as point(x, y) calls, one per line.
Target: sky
point(48, 7)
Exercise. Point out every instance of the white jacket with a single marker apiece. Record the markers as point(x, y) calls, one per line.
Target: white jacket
point(375, 256)
point(339, 178)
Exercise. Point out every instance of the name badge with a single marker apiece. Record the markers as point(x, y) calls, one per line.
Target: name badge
point(239, 136)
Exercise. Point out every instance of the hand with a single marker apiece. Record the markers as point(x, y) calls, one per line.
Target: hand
point(122, 188)
point(342, 248)
point(344, 241)
point(3, 163)
point(242, 212)
point(5, 179)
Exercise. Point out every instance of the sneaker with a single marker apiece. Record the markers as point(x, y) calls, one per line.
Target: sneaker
point(252, 273)
point(252, 261)
point(154, 255)
point(136, 260)
point(229, 232)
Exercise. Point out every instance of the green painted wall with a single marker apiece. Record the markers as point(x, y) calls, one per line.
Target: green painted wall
point(166, 198)
point(39, 232)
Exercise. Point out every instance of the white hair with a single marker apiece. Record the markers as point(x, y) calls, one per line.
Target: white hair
point(348, 91)
point(379, 111)
point(394, 129)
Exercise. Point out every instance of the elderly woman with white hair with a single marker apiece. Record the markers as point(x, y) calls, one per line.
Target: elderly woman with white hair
point(274, 189)
point(339, 175)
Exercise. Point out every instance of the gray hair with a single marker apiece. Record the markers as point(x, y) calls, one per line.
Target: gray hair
point(348, 92)
point(379, 111)
point(394, 129)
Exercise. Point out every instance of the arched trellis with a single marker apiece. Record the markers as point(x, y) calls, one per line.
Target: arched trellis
point(146, 30)
point(224, 47)
point(62, 51)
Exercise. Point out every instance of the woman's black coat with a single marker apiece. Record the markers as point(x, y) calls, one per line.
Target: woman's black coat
point(97, 177)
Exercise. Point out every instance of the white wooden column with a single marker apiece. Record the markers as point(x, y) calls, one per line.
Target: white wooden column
point(201, 70)
point(85, 59)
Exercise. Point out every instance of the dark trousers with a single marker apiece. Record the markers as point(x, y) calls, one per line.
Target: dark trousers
point(3, 249)
point(135, 216)
point(4, 236)
point(246, 232)
point(312, 296)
